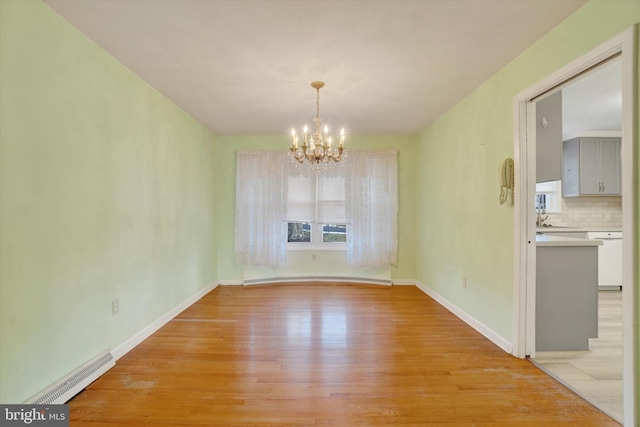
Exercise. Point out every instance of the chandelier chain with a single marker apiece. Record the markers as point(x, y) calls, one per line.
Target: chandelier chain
point(317, 120)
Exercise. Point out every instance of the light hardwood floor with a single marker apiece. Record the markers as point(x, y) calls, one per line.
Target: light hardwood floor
point(325, 355)
point(595, 374)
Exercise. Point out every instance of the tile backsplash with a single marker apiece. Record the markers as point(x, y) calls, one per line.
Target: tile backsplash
point(598, 211)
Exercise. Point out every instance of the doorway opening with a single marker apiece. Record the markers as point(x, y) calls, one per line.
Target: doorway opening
point(527, 219)
point(578, 300)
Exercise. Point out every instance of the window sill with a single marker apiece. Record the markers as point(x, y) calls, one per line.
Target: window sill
point(303, 247)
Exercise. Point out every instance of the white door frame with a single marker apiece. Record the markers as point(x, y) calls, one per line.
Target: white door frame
point(524, 209)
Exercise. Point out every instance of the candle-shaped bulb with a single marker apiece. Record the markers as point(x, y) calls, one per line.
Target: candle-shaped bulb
point(305, 130)
point(295, 142)
point(342, 137)
point(329, 142)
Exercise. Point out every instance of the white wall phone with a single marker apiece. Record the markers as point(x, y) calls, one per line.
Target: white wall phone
point(506, 182)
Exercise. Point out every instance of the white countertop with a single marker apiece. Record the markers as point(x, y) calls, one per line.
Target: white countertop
point(546, 240)
point(575, 229)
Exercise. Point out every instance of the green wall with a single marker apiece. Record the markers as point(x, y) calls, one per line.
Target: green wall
point(301, 263)
point(107, 191)
point(468, 233)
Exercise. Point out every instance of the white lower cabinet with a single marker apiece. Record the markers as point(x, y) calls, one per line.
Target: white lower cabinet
point(609, 259)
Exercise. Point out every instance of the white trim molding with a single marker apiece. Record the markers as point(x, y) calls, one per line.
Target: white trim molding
point(405, 282)
point(299, 279)
point(145, 333)
point(483, 329)
point(232, 282)
point(630, 272)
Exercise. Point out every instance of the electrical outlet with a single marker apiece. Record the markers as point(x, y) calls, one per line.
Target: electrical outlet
point(464, 282)
point(114, 307)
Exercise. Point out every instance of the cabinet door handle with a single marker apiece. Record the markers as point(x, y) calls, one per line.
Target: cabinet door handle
point(603, 187)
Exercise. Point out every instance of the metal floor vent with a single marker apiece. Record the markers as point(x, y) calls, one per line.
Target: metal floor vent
point(70, 385)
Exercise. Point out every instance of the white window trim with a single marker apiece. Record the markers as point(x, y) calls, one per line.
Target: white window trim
point(316, 243)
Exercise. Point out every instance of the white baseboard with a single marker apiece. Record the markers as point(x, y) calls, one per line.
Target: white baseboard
point(298, 279)
point(404, 282)
point(129, 344)
point(489, 333)
point(233, 282)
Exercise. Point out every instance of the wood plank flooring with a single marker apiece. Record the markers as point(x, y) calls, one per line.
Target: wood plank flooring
point(324, 355)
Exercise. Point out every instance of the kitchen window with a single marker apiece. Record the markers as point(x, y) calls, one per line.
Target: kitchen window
point(548, 196)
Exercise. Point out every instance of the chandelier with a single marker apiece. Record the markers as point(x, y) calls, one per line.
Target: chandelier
point(317, 147)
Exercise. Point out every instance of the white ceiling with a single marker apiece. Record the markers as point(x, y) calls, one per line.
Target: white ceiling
point(594, 102)
point(244, 67)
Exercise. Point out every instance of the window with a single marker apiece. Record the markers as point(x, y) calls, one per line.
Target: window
point(299, 232)
point(334, 233)
point(548, 196)
point(316, 211)
point(352, 209)
point(325, 236)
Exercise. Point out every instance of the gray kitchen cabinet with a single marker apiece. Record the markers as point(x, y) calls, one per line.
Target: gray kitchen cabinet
point(549, 138)
point(591, 167)
point(566, 297)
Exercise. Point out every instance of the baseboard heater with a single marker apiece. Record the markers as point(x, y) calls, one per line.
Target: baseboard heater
point(73, 383)
point(341, 279)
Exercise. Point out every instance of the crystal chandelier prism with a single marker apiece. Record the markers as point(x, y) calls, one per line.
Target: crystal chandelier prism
point(317, 148)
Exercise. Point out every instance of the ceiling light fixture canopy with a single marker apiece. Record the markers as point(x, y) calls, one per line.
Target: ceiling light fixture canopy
point(317, 147)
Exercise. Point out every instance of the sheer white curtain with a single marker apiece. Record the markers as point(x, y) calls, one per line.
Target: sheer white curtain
point(372, 208)
point(261, 206)
point(264, 204)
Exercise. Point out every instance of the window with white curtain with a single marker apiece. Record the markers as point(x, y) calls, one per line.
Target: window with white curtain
point(279, 207)
point(316, 217)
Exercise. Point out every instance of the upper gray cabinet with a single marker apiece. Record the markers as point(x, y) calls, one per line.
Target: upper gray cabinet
point(549, 138)
point(591, 167)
